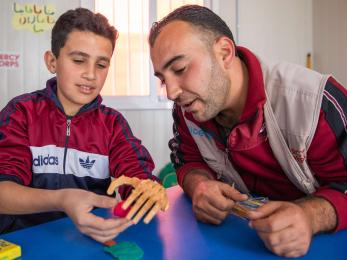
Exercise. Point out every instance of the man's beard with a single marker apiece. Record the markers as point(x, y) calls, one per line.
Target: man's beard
point(218, 92)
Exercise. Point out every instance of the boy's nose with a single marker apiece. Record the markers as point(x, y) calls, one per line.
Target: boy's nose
point(89, 73)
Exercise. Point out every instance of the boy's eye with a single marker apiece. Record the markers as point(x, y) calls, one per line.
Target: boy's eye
point(102, 66)
point(77, 60)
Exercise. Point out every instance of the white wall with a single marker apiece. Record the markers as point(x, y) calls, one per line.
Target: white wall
point(32, 73)
point(330, 38)
point(279, 30)
point(154, 128)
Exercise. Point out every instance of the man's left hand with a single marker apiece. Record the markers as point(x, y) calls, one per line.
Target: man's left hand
point(284, 227)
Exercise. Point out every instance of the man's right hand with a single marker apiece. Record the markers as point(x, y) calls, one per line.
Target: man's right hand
point(212, 200)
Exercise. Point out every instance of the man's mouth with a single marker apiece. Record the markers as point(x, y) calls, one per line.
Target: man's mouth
point(187, 106)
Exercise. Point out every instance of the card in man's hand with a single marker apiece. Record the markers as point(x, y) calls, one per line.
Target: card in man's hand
point(242, 207)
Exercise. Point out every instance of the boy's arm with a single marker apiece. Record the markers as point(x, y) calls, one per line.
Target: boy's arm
point(127, 155)
point(16, 199)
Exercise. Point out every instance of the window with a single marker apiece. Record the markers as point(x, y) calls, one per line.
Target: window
point(130, 83)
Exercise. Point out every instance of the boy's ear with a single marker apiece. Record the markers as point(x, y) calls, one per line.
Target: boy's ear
point(225, 51)
point(51, 61)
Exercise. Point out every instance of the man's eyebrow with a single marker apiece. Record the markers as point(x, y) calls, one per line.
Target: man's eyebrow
point(167, 64)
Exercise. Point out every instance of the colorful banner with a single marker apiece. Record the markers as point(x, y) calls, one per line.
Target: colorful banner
point(33, 17)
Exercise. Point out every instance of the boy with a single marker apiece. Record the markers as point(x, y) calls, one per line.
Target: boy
point(59, 146)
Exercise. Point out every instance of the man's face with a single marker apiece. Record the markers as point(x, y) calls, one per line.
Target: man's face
point(187, 67)
point(81, 69)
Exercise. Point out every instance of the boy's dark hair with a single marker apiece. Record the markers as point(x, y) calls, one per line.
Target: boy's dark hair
point(199, 16)
point(80, 19)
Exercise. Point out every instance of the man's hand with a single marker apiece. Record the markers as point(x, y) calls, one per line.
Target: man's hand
point(78, 204)
point(284, 228)
point(213, 200)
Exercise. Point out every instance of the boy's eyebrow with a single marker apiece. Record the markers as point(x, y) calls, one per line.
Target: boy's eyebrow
point(167, 64)
point(80, 53)
point(83, 54)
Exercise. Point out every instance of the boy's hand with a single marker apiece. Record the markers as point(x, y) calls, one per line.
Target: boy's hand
point(78, 204)
point(147, 197)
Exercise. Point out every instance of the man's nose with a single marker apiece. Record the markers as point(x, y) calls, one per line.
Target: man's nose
point(173, 90)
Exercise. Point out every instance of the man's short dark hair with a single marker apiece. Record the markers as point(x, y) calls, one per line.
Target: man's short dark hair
point(199, 16)
point(80, 19)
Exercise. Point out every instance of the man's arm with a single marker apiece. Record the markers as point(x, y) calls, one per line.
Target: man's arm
point(327, 155)
point(321, 213)
point(193, 179)
point(212, 200)
point(286, 228)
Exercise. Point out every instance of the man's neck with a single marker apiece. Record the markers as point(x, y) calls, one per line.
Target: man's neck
point(238, 95)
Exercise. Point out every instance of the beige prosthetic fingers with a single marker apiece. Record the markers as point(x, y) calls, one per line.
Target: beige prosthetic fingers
point(147, 198)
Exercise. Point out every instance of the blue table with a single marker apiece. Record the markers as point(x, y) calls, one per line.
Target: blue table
point(174, 234)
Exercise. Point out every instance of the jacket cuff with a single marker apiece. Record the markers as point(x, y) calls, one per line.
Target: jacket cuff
point(182, 171)
point(6, 177)
point(339, 202)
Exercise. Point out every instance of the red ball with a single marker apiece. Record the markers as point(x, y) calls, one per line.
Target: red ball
point(118, 211)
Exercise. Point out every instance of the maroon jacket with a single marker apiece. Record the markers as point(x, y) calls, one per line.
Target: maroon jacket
point(250, 152)
point(41, 147)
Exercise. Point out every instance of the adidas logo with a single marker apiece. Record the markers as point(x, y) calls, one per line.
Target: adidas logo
point(86, 164)
point(45, 160)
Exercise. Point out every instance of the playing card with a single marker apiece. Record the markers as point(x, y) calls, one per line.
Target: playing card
point(241, 207)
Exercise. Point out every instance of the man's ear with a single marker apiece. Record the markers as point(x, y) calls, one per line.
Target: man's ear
point(225, 51)
point(51, 61)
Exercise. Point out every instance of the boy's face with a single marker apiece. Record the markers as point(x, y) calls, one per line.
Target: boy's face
point(81, 69)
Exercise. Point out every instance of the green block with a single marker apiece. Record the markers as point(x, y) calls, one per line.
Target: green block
point(168, 176)
point(125, 251)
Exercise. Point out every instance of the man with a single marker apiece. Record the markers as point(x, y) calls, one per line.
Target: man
point(59, 147)
point(275, 130)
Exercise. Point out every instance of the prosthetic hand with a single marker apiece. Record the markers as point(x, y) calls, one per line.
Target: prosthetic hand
point(147, 197)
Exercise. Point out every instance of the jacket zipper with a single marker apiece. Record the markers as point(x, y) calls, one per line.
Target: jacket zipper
point(68, 126)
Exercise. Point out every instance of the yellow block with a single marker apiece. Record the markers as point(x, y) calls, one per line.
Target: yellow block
point(9, 250)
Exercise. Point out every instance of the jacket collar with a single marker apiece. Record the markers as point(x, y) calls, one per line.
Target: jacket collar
point(51, 92)
point(256, 92)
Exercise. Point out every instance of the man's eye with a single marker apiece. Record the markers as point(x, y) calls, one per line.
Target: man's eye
point(162, 84)
point(77, 61)
point(179, 71)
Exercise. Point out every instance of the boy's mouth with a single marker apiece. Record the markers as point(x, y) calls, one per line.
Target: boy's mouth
point(86, 89)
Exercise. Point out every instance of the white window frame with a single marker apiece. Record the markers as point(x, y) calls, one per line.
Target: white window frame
point(153, 101)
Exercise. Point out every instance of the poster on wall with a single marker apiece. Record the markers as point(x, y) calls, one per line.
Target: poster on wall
point(9, 60)
point(33, 17)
